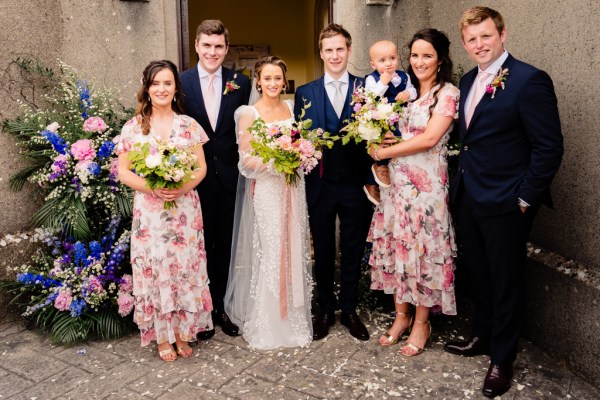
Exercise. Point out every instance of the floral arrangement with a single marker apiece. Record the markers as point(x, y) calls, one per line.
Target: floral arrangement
point(292, 147)
point(230, 86)
point(71, 155)
point(76, 289)
point(373, 117)
point(497, 82)
point(163, 165)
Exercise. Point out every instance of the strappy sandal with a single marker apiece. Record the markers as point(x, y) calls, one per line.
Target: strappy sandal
point(417, 350)
point(164, 353)
point(391, 339)
point(184, 350)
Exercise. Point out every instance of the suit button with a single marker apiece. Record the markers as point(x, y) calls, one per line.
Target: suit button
point(466, 148)
point(215, 158)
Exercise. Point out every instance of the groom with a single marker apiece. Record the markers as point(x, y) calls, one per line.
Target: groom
point(512, 147)
point(207, 101)
point(334, 188)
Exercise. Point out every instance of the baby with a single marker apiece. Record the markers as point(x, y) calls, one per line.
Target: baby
point(386, 81)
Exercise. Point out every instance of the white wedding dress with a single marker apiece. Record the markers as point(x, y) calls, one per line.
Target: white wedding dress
point(269, 289)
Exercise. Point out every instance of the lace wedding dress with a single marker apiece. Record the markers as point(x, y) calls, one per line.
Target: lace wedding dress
point(269, 289)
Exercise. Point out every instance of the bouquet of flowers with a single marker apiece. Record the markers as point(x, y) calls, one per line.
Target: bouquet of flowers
point(373, 117)
point(75, 289)
point(163, 165)
point(292, 147)
point(70, 152)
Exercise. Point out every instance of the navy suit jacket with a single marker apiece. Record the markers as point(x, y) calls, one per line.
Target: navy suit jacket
point(357, 159)
point(221, 151)
point(513, 145)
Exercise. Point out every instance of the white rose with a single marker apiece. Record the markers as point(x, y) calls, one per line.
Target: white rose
point(368, 131)
point(53, 127)
point(153, 160)
point(384, 109)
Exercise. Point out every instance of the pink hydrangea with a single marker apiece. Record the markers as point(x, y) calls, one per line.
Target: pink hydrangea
point(125, 302)
point(63, 301)
point(83, 150)
point(94, 124)
point(127, 284)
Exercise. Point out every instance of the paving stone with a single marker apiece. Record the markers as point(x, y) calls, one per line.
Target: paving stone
point(32, 364)
point(109, 382)
point(192, 390)
point(11, 384)
point(251, 388)
point(94, 358)
point(320, 385)
point(126, 394)
point(59, 384)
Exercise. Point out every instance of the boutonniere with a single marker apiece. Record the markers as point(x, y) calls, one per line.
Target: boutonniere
point(230, 86)
point(497, 82)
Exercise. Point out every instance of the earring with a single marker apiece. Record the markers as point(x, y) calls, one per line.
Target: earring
point(149, 99)
point(439, 69)
point(258, 88)
point(283, 90)
point(174, 99)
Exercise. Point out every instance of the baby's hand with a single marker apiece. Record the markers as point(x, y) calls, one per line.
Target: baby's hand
point(386, 77)
point(403, 96)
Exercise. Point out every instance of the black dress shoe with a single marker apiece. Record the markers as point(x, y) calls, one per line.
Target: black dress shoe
point(497, 380)
point(228, 327)
point(475, 346)
point(205, 335)
point(355, 326)
point(321, 324)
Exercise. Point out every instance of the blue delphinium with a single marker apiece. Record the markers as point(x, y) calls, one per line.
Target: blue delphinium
point(77, 307)
point(84, 98)
point(94, 168)
point(106, 149)
point(57, 142)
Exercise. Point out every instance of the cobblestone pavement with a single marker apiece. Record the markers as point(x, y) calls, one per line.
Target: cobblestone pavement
point(338, 367)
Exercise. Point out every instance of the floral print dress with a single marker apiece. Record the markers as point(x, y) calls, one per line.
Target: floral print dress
point(411, 231)
point(170, 284)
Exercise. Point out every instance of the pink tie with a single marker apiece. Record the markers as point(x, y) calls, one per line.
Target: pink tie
point(210, 101)
point(482, 76)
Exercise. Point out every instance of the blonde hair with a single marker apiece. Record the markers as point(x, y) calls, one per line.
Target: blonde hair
point(478, 14)
point(332, 30)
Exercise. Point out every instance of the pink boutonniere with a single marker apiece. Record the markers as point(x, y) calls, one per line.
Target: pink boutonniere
point(230, 86)
point(497, 82)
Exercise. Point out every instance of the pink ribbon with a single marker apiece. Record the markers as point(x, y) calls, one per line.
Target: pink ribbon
point(290, 270)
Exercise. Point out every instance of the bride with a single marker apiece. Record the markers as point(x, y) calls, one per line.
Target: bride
point(268, 293)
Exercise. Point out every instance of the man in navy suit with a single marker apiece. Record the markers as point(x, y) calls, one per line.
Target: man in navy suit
point(334, 187)
point(209, 102)
point(512, 146)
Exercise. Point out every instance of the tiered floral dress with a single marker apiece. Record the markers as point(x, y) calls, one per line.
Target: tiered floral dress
point(170, 284)
point(411, 230)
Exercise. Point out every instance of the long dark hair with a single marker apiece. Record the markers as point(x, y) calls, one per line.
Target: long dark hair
point(441, 44)
point(144, 110)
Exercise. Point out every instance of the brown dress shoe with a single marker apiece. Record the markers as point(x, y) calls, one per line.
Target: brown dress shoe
point(381, 173)
point(355, 325)
point(497, 380)
point(475, 346)
point(373, 194)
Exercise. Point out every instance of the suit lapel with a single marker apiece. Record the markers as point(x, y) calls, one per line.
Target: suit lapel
point(487, 97)
point(320, 97)
point(227, 75)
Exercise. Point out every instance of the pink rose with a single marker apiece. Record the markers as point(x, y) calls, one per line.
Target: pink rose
point(94, 285)
point(306, 148)
point(83, 150)
point(149, 310)
point(125, 302)
point(197, 224)
point(94, 124)
point(63, 301)
point(285, 142)
point(126, 284)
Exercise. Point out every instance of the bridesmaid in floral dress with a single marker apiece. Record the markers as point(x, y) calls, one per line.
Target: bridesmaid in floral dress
point(170, 284)
point(411, 231)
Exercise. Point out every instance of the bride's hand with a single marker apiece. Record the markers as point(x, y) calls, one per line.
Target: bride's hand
point(168, 194)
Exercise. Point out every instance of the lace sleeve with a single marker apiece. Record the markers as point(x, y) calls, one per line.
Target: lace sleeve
point(250, 166)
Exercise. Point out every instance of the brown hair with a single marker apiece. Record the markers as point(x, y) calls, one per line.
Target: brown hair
point(212, 27)
point(332, 30)
point(144, 111)
point(476, 15)
point(272, 60)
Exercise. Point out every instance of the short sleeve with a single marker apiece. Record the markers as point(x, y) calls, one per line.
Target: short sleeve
point(198, 135)
point(447, 104)
point(124, 141)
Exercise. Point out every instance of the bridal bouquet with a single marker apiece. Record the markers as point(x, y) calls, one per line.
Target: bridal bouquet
point(292, 147)
point(373, 117)
point(163, 165)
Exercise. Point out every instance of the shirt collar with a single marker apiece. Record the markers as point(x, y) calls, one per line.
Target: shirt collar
point(496, 65)
point(345, 78)
point(202, 73)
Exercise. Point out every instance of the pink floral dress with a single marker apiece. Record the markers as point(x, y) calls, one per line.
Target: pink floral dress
point(170, 284)
point(411, 231)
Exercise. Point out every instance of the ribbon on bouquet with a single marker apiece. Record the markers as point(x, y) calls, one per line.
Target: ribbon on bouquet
point(290, 270)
